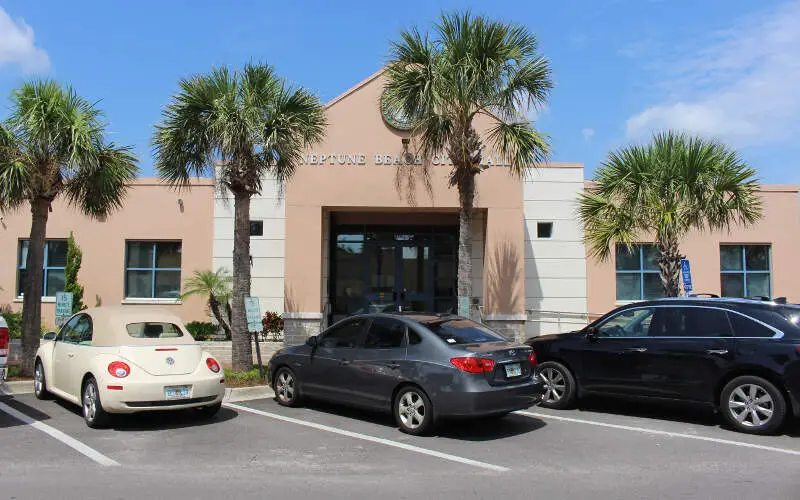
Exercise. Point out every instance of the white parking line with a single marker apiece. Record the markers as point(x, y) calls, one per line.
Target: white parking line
point(373, 439)
point(660, 433)
point(57, 434)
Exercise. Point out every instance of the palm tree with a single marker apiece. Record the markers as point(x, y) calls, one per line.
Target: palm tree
point(469, 67)
point(663, 190)
point(237, 126)
point(216, 287)
point(53, 144)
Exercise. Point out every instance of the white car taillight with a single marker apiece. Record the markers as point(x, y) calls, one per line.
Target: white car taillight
point(212, 365)
point(119, 369)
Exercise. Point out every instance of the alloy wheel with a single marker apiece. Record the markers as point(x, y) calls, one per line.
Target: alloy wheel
point(38, 379)
point(285, 386)
point(554, 383)
point(90, 402)
point(412, 410)
point(751, 405)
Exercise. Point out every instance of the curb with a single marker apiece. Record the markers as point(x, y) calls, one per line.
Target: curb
point(237, 394)
point(16, 387)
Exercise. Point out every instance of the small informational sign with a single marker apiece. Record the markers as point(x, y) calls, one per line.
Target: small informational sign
point(463, 306)
point(253, 311)
point(63, 307)
point(686, 272)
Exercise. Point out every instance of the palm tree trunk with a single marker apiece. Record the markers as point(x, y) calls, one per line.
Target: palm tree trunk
point(466, 195)
point(242, 356)
point(213, 304)
point(32, 301)
point(669, 265)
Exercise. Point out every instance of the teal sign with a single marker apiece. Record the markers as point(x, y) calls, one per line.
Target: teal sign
point(63, 307)
point(253, 311)
point(463, 306)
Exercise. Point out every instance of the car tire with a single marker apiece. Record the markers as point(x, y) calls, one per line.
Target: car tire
point(413, 411)
point(560, 390)
point(39, 381)
point(93, 413)
point(286, 387)
point(752, 405)
point(209, 411)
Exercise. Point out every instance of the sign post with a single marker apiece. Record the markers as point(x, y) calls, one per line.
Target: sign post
point(63, 307)
point(686, 272)
point(253, 311)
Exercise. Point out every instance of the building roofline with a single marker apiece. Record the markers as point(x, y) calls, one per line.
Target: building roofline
point(355, 88)
point(155, 181)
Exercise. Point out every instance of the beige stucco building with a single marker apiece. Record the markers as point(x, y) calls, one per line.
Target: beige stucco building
point(358, 229)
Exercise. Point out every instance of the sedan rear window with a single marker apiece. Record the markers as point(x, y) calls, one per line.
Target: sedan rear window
point(462, 331)
point(154, 330)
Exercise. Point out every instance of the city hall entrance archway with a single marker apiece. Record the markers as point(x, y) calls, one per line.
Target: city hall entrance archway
point(392, 267)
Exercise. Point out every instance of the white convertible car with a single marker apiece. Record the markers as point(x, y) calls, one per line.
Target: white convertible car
point(120, 360)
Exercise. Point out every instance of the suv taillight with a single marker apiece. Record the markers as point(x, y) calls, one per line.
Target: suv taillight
point(473, 365)
point(3, 341)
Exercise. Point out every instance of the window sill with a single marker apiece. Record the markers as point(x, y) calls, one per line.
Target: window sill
point(131, 301)
point(45, 300)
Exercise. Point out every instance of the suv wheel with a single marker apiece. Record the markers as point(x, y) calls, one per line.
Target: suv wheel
point(560, 390)
point(753, 405)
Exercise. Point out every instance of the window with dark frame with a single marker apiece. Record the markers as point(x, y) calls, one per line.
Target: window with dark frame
point(153, 269)
point(55, 260)
point(256, 228)
point(544, 230)
point(638, 276)
point(745, 270)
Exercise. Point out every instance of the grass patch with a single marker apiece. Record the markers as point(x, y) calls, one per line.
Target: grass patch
point(244, 379)
point(13, 374)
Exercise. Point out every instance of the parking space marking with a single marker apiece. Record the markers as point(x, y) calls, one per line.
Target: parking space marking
point(60, 436)
point(373, 439)
point(645, 430)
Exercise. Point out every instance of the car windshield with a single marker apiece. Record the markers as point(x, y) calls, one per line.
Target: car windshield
point(154, 330)
point(462, 331)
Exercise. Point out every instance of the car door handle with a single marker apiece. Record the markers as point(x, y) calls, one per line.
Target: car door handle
point(636, 349)
point(717, 351)
point(70, 355)
point(393, 366)
point(344, 362)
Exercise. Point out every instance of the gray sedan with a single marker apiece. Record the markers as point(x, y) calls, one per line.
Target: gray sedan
point(422, 367)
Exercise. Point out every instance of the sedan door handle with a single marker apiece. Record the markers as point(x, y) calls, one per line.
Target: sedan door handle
point(636, 349)
point(344, 362)
point(717, 351)
point(393, 366)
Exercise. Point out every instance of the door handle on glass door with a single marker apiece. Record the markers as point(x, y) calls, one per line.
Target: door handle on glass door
point(717, 351)
point(636, 349)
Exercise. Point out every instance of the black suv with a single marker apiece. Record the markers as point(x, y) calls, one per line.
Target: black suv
point(740, 356)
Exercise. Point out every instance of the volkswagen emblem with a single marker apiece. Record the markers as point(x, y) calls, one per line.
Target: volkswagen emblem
point(170, 361)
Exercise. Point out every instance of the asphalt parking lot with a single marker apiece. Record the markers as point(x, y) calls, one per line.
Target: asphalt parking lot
point(604, 449)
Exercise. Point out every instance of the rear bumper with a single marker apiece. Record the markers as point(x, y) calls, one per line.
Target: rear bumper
point(489, 401)
point(150, 396)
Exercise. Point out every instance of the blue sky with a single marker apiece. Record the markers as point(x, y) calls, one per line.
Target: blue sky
point(723, 68)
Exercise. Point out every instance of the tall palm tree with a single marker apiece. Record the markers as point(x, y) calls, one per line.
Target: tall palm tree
point(663, 190)
point(468, 67)
point(237, 126)
point(53, 144)
point(215, 286)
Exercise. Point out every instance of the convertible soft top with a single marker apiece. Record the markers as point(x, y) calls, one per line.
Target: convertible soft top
point(109, 326)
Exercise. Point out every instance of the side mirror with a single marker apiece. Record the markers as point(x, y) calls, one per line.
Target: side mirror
point(312, 341)
point(49, 336)
point(591, 333)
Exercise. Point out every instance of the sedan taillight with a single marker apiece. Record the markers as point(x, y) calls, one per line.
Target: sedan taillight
point(532, 359)
point(473, 365)
point(119, 369)
point(212, 365)
point(3, 341)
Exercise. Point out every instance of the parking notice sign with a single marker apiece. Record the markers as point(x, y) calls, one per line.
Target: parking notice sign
point(253, 312)
point(63, 307)
point(686, 272)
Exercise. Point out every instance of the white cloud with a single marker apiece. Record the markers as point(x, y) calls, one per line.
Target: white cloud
point(17, 45)
point(741, 86)
point(587, 134)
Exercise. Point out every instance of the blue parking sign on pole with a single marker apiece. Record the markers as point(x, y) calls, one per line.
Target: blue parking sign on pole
point(686, 272)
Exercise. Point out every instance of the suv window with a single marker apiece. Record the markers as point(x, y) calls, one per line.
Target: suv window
point(628, 323)
point(746, 327)
point(690, 322)
point(385, 333)
point(462, 331)
point(344, 335)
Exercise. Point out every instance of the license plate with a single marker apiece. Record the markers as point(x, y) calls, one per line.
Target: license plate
point(178, 392)
point(513, 370)
point(2, 374)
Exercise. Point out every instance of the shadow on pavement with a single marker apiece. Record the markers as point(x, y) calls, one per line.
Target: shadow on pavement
point(158, 420)
point(478, 429)
point(670, 411)
point(9, 421)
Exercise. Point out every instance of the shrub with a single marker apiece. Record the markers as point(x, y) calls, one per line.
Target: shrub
point(13, 320)
point(201, 330)
point(272, 323)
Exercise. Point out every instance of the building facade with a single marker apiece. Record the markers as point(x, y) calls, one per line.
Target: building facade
point(359, 228)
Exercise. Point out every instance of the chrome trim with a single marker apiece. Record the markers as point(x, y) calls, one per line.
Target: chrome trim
point(778, 333)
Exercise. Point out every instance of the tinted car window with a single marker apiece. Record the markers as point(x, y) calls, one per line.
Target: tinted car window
point(344, 335)
point(746, 327)
point(153, 330)
point(385, 333)
point(628, 323)
point(463, 331)
point(413, 337)
point(690, 322)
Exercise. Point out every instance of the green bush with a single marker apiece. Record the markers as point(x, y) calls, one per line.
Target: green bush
point(13, 320)
point(201, 330)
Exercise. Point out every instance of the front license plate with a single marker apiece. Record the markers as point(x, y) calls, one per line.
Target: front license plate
point(513, 370)
point(178, 392)
point(2, 374)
